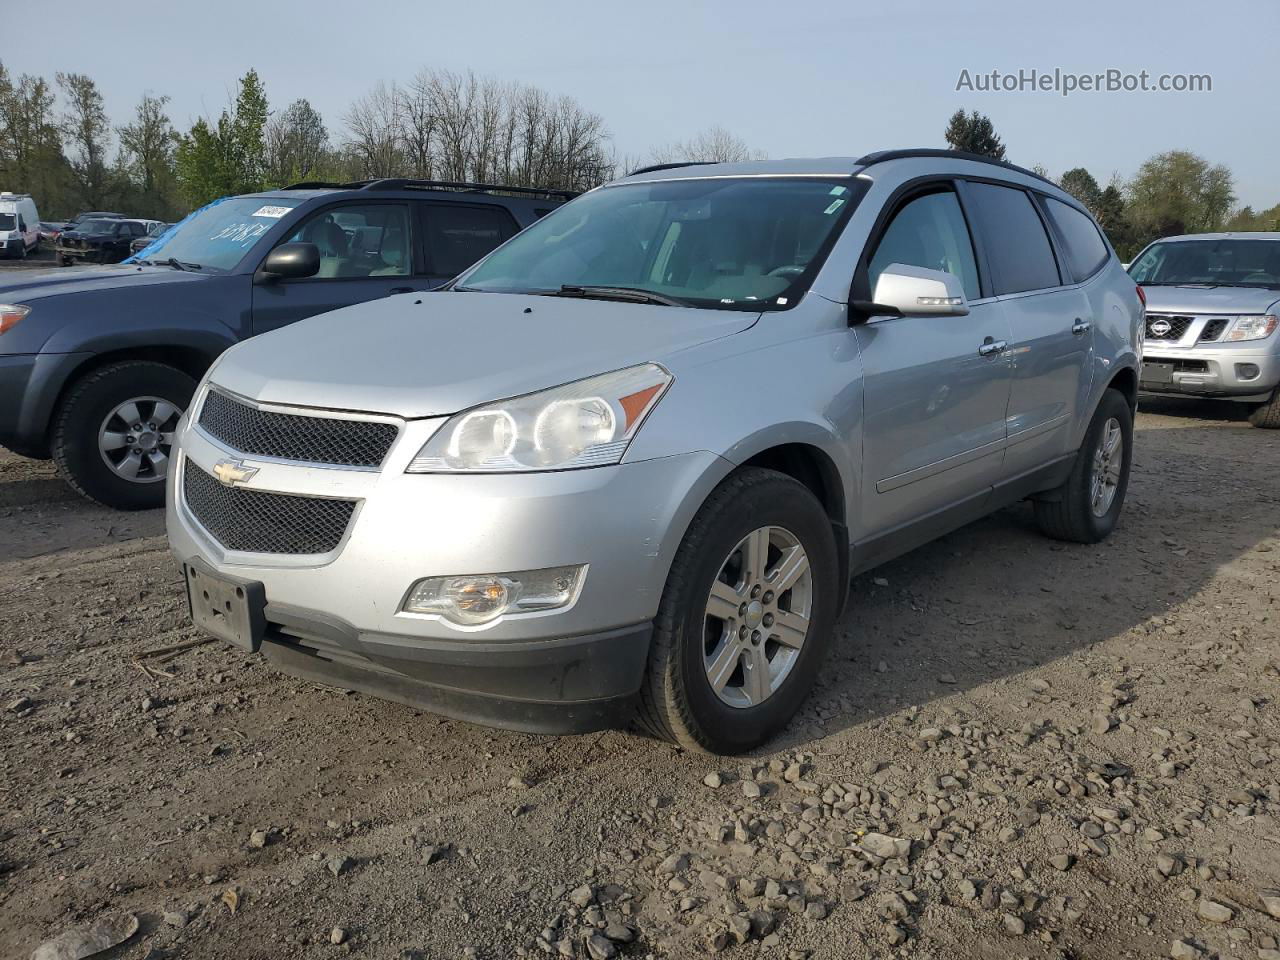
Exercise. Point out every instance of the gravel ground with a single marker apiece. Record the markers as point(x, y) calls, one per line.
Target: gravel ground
point(1019, 749)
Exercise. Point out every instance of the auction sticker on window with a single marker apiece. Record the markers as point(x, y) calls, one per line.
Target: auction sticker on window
point(274, 212)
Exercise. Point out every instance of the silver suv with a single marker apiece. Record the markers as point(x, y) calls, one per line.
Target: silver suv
point(629, 461)
point(1213, 301)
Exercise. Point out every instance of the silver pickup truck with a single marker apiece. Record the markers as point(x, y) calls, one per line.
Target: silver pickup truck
point(1213, 301)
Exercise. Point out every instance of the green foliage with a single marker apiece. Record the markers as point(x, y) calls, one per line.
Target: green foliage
point(88, 133)
point(1080, 184)
point(973, 133)
point(230, 158)
point(1179, 192)
point(1246, 219)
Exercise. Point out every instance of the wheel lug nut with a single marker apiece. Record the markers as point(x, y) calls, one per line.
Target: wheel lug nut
point(768, 596)
point(742, 609)
point(755, 636)
point(755, 591)
point(768, 620)
point(742, 633)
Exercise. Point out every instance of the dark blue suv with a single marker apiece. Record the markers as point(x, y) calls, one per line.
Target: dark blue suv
point(98, 364)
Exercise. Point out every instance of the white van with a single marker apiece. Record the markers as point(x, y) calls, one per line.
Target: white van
point(19, 224)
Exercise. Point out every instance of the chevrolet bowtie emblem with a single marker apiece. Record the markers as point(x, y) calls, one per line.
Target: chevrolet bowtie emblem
point(232, 472)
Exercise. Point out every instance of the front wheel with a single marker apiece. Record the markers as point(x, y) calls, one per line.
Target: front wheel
point(1267, 415)
point(745, 617)
point(113, 436)
point(1087, 506)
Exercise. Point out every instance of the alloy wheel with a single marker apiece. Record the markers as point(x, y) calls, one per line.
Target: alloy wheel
point(1108, 459)
point(136, 439)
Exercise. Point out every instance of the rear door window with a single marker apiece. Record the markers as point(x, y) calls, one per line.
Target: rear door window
point(459, 234)
point(1086, 251)
point(1013, 234)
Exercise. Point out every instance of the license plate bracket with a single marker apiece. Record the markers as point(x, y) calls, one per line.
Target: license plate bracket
point(1155, 372)
point(229, 608)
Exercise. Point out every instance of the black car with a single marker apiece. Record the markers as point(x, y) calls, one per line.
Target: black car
point(97, 241)
point(154, 229)
point(98, 364)
point(92, 215)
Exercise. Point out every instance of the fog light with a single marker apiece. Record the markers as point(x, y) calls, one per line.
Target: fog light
point(479, 598)
point(1247, 371)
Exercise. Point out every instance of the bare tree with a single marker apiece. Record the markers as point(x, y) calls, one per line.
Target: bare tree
point(375, 127)
point(88, 135)
point(148, 143)
point(713, 145)
point(297, 144)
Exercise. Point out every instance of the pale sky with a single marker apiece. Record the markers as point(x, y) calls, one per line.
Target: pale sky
point(792, 79)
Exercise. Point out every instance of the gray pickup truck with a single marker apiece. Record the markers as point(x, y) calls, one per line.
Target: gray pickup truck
point(1213, 302)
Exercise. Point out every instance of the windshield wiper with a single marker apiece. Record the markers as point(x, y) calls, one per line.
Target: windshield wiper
point(180, 265)
point(630, 294)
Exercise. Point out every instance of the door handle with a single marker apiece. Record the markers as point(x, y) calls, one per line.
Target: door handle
point(991, 347)
point(1081, 326)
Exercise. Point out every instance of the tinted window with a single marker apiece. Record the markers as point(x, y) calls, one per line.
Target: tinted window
point(458, 235)
point(930, 232)
point(1086, 251)
point(7, 221)
point(360, 240)
point(1019, 250)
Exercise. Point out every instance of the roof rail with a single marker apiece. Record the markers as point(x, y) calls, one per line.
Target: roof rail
point(882, 155)
point(652, 168)
point(409, 183)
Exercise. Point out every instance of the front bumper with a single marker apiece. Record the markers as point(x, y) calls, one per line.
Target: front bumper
point(335, 618)
point(1232, 372)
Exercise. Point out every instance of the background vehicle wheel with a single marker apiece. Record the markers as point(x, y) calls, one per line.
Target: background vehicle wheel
point(1267, 415)
point(1087, 506)
point(745, 618)
point(113, 433)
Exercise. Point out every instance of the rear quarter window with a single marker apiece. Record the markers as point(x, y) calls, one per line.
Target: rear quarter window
point(1086, 250)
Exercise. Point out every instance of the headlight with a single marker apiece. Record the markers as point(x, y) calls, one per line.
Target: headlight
point(10, 314)
point(472, 600)
point(584, 424)
point(1252, 328)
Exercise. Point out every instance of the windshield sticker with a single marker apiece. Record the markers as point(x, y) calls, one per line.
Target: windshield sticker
point(839, 191)
point(245, 234)
point(275, 213)
point(835, 205)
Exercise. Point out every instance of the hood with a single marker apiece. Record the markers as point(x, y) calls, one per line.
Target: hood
point(27, 285)
point(1219, 301)
point(440, 353)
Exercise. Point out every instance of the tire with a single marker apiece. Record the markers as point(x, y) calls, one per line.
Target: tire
point(1267, 415)
point(90, 412)
point(677, 699)
point(1069, 512)
point(62, 261)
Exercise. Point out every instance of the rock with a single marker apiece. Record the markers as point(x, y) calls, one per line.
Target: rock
point(675, 863)
point(1168, 865)
point(968, 889)
point(81, 942)
point(258, 839)
point(1038, 685)
point(1007, 835)
point(433, 852)
point(815, 910)
point(1062, 861)
point(1014, 926)
point(897, 936)
point(930, 734)
point(740, 929)
point(1214, 912)
point(885, 847)
point(619, 932)
point(793, 773)
point(19, 705)
point(1102, 723)
point(716, 937)
point(175, 918)
point(337, 935)
point(751, 789)
point(763, 923)
point(519, 783)
point(713, 780)
point(1183, 950)
point(339, 864)
point(600, 948)
point(582, 896)
point(1270, 902)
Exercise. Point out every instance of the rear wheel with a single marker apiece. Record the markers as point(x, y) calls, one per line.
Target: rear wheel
point(1086, 507)
point(113, 436)
point(1267, 415)
point(745, 618)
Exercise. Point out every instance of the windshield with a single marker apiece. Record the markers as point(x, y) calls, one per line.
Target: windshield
point(8, 221)
point(217, 236)
point(1232, 262)
point(737, 244)
point(96, 226)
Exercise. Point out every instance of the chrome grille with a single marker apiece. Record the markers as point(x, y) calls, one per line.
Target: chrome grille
point(1214, 329)
point(1177, 326)
point(288, 436)
point(260, 522)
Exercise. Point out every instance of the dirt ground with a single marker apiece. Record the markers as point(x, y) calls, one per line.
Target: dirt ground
point(1019, 749)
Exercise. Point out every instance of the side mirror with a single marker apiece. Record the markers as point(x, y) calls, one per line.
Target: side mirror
point(290, 261)
point(918, 292)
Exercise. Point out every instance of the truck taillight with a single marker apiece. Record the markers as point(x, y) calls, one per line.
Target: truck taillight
point(1142, 296)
